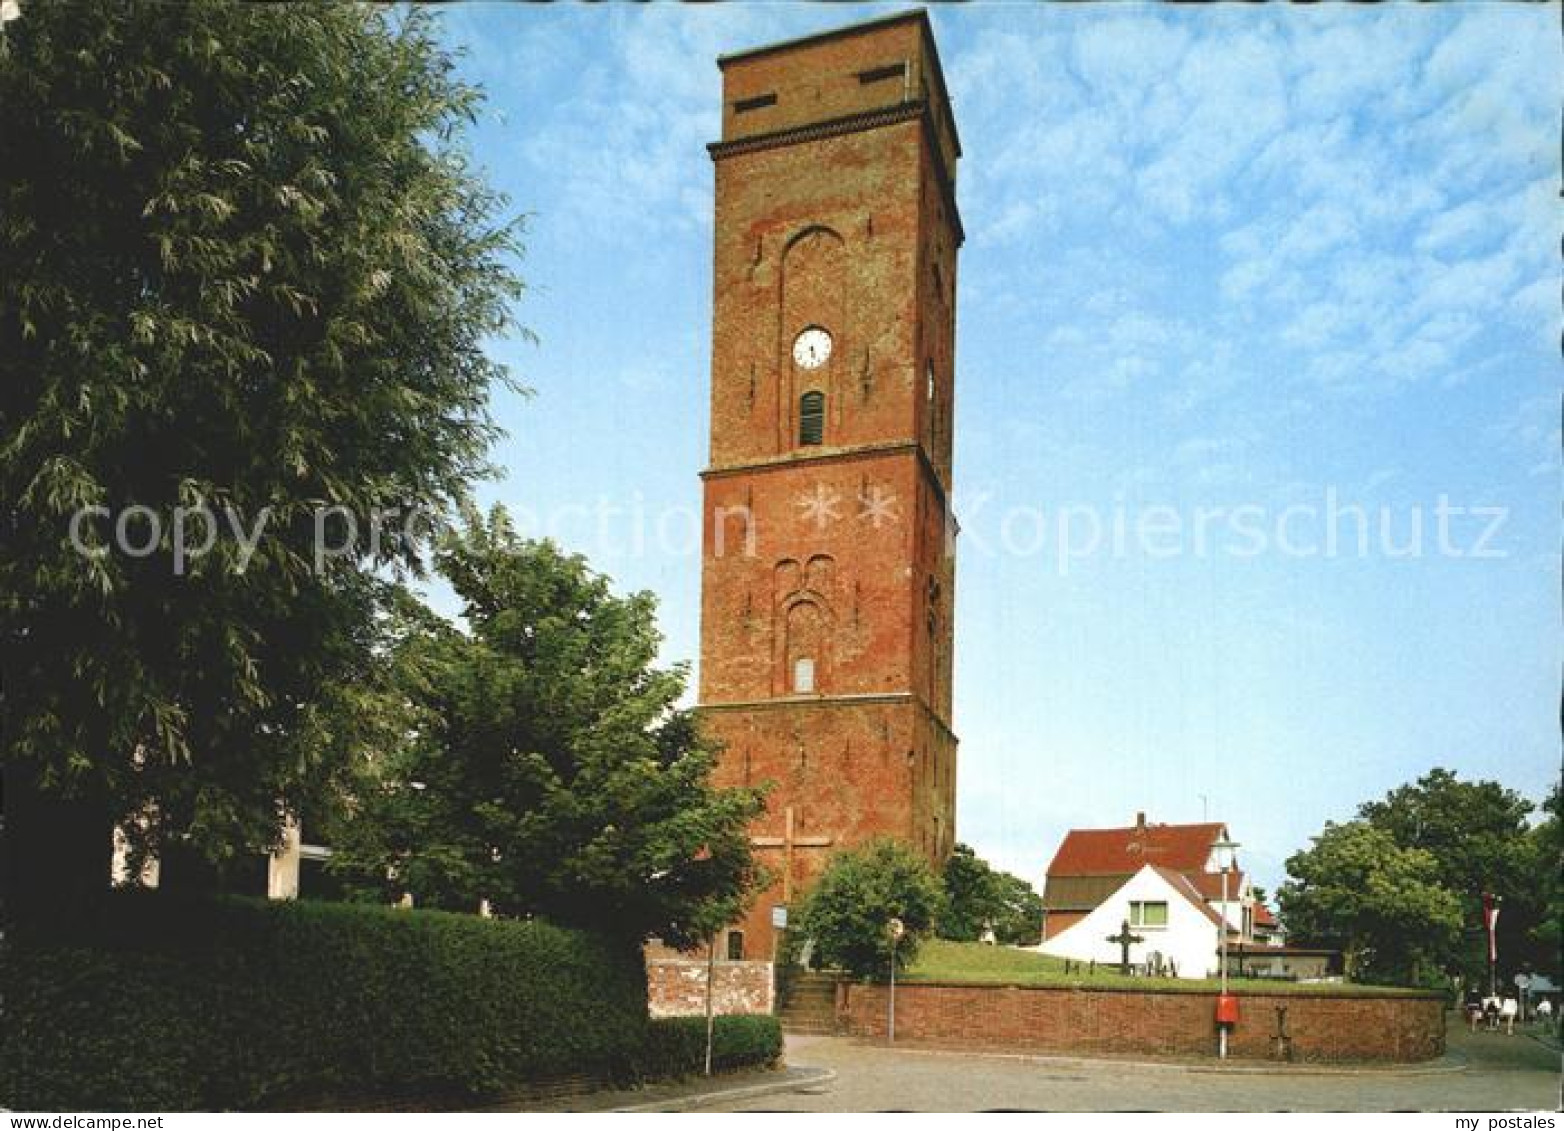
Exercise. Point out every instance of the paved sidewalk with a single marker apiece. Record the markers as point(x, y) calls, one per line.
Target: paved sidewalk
point(700, 1092)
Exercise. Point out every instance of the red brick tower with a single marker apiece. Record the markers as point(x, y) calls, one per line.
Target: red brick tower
point(829, 563)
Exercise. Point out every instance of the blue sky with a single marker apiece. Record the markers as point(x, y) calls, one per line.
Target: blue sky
point(1216, 258)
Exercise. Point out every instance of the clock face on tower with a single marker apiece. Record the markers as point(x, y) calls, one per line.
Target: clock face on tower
point(812, 348)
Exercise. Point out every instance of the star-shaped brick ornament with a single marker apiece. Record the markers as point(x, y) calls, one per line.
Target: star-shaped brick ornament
point(820, 505)
point(877, 506)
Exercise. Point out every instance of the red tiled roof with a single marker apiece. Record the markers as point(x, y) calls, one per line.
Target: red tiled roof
point(1209, 884)
point(1122, 852)
point(1263, 916)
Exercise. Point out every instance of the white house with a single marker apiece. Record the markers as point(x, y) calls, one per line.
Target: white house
point(1174, 923)
point(1091, 864)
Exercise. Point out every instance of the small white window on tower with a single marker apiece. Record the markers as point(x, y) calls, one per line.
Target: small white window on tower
point(931, 380)
point(803, 675)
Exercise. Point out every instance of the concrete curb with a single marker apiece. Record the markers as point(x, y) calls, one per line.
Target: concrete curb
point(1448, 1064)
point(797, 1079)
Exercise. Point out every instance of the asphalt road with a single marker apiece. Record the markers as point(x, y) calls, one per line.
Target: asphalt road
point(1500, 1073)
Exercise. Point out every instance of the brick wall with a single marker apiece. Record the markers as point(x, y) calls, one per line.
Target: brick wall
point(1364, 1027)
point(676, 987)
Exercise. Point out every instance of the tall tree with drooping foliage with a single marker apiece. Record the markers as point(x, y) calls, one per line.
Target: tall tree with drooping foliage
point(243, 264)
point(550, 769)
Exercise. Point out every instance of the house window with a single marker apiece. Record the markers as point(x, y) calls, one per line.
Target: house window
point(1148, 914)
point(803, 675)
point(735, 946)
point(811, 418)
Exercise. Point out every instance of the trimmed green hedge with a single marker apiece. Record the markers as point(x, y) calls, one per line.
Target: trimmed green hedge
point(676, 1046)
point(158, 1004)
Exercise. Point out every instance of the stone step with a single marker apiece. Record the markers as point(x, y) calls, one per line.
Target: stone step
point(824, 1016)
point(808, 1004)
point(823, 1012)
point(808, 1011)
point(812, 989)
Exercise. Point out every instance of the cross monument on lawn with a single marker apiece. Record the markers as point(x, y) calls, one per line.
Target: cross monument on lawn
point(1125, 940)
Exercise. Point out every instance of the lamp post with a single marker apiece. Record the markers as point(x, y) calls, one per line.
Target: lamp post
point(1226, 857)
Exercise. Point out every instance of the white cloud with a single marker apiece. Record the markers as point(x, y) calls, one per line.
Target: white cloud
point(1019, 221)
point(1235, 99)
point(1115, 56)
point(625, 150)
point(1317, 325)
point(1347, 60)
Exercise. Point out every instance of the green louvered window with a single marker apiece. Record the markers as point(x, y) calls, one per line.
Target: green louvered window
point(811, 418)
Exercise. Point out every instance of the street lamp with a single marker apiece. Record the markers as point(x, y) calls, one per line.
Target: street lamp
point(1226, 852)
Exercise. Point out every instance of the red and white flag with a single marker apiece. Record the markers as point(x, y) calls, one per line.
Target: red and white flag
point(1491, 922)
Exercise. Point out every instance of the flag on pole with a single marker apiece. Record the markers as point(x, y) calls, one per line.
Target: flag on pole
point(1491, 922)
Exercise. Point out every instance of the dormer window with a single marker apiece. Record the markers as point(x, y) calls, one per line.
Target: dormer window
point(811, 418)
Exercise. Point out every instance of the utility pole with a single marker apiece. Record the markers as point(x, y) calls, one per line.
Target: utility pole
point(711, 1014)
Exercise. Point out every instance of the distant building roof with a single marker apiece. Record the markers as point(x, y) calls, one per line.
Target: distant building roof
point(1263, 916)
point(1122, 852)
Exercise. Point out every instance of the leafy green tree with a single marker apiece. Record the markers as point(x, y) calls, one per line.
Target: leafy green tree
point(969, 895)
point(243, 264)
point(1019, 921)
point(1382, 904)
point(1478, 835)
point(848, 910)
point(549, 769)
point(976, 894)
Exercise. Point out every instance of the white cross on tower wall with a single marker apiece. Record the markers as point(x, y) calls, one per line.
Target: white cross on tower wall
point(788, 841)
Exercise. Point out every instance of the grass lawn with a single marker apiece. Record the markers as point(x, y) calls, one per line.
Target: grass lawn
point(940, 961)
